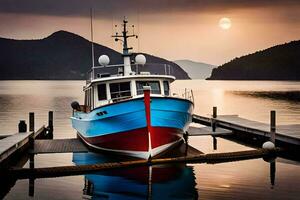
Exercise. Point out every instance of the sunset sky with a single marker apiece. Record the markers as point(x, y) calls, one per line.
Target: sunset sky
point(173, 29)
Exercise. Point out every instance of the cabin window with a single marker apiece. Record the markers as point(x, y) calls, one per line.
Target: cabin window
point(85, 97)
point(102, 92)
point(155, 87)
point(120, 90)
point(88, 97)
point(166, 88)
point(92, 97)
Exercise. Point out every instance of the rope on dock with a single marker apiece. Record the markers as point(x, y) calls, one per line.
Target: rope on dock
point(24, 173)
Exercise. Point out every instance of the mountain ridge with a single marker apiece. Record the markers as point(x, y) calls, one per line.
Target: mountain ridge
point(60, 56)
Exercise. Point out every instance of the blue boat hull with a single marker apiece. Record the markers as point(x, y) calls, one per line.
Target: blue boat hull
point(122, 126)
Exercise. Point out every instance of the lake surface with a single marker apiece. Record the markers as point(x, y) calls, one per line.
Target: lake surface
point(236, 180)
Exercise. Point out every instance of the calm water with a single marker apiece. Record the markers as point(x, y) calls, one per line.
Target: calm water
point(237, 180)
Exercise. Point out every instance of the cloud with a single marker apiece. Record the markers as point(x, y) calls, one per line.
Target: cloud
point(107, 8)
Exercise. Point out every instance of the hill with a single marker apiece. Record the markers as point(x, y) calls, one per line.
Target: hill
point(60, 56)
point(195, 70)
point(280, 62)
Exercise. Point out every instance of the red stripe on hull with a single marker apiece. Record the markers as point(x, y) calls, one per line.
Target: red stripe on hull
point(163, 135)
point(136, 140)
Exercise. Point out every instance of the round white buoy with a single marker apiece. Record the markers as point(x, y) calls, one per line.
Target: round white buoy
point(268, 145)
point(140, 59)
point(103, 60)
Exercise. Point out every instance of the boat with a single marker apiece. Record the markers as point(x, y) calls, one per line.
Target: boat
point(129, 108)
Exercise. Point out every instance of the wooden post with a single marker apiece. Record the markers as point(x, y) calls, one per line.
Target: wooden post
point(273, 126)
point(272, 172)
point(50, 122)
point(186, 139)
point(22, 126)
point(213, 121)
point(215, 143)
point(31, 121)
point(31, 187)
point(31, 162)
point(214, 126)
point(214, 112)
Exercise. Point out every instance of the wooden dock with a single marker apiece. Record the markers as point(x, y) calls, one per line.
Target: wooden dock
point(18, 142)
point(11, 144)
point(72, 145)
point(15, 144)
point(289, 134)
point(25, 173)
point(225, 125)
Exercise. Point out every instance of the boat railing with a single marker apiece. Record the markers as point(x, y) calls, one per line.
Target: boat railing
point(152, 69)
point(98, 72)
point(185, 94)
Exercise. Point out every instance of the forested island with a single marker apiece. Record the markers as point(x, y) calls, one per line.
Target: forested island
point(281, 62)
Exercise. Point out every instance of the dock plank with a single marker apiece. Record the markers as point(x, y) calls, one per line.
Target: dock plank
point(204, 131)
point(59, 146)
point(284, 133)
point(12, 143)
point(291, 129)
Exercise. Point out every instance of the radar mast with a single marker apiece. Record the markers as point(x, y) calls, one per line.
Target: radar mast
point(126, 53)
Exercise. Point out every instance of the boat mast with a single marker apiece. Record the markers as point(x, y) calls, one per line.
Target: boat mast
point(92, 43)
point(126, 53)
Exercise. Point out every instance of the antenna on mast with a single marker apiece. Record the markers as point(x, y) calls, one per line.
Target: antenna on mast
point(92, 38)
point(124, 37)
point(126, 55)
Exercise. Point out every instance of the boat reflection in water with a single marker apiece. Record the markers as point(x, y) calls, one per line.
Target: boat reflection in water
point(176, 181)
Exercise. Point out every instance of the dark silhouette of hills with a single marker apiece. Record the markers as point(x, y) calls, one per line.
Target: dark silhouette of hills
point(60, 56)
point(281, 62)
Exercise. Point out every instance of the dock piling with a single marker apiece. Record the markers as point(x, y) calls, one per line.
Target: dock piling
point(50, 119)
point(31, 121)
point(215, 143)
point(214, 126)
point(22, 126)
point(31, 180)
point(31, 187)
point(213, 120)
point(272, 173)
point(50, 123)
point(273, 126)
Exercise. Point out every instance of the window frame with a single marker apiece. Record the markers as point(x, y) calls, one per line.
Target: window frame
point(139, 91)
point(168, 88)
point(104, 93)
point(119, 92)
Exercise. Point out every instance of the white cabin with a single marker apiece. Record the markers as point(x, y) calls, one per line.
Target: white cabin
point(112, 88)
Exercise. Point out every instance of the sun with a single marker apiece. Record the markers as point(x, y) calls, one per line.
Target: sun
point(225, 23)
